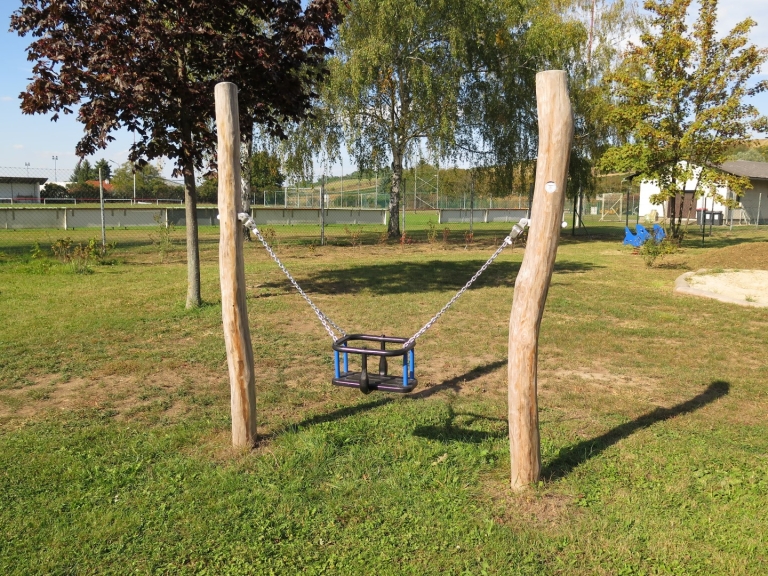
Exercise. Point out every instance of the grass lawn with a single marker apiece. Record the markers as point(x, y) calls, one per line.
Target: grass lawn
point(115, 450)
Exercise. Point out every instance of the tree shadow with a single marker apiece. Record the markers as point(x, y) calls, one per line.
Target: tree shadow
point(448, 432)
point(414, 277)
point(454, 383)
point(572, 456)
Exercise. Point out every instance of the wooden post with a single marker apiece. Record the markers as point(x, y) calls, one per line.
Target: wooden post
point(532, 284)
point(234, 311)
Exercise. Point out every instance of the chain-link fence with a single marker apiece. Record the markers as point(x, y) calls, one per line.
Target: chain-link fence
point(355, 213)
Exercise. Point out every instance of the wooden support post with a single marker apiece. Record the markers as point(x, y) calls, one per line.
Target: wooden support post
point(234, 311)
point(532, 284)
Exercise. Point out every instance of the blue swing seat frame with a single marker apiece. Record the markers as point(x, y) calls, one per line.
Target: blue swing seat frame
point(378, 379)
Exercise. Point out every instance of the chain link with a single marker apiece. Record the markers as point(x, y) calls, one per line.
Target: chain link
point(327, 322)
point(324, 320)
point(508, 241)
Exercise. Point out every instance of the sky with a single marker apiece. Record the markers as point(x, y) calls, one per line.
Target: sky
point(36, 140)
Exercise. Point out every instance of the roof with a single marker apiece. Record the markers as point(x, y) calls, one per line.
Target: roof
point(22, 180)
point(753, 170)
point(95, 183)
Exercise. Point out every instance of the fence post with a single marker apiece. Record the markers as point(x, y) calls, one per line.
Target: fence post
point(234, 309)
point(101, 209)
point(322, 212)
point(532, 284)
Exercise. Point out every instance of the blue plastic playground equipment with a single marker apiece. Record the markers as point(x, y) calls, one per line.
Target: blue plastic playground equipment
point(642, 234)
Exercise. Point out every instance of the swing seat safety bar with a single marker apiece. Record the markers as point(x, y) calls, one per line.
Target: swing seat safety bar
point(379, 379)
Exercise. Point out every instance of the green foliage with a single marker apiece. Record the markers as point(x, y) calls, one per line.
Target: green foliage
point(82, 190)
point(81, 255)
point(355, 235)
point(53, 190)
point(105, 167)
point(651, 251)
point(748, 152)
point(265, 172)
point(208, 191)
point(680, 102)
point(162, 237)
point(149, 183)
point(83, 172)
point(431, 232)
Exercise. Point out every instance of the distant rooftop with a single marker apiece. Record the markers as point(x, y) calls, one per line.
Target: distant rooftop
point(22, 180)
point(756, 170)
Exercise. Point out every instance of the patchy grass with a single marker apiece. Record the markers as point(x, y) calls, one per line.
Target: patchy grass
point(114, 429)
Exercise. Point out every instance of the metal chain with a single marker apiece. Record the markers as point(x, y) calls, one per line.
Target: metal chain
point(508, 241)
point(324, 320)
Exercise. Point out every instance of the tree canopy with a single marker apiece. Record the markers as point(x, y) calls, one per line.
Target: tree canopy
point(680, 102)
point(85, 171)
point(152, 66)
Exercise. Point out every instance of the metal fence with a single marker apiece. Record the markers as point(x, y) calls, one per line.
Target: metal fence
point(353, 215)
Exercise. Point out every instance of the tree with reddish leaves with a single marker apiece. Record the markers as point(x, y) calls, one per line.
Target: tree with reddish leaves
point(151, 66)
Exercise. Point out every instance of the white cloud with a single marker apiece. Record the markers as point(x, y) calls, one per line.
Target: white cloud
point(6, 98)
point(18, 146)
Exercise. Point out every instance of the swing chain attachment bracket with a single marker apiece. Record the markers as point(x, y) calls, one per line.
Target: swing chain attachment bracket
point(249, 223)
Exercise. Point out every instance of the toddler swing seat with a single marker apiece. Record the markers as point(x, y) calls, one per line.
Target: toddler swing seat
point(379, 378)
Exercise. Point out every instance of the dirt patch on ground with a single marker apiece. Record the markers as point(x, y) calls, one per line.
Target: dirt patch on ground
point(615, 384)
point(168, 394)
point(747, 256)
point(544, 509)
point(743, 287)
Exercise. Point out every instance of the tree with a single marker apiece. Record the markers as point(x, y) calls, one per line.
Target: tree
point(265, 172)
point(106, 170)
point(395, 79)
point(83, 172)
point(53, 190)
point(152, 67)
point(749, 152)
point(679, 100)
point(122, 181)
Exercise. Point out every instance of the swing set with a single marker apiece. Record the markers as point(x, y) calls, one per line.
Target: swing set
point(555, 120)
point(379, 379)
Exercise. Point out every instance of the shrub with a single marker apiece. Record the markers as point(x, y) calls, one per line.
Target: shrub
point(652, 251)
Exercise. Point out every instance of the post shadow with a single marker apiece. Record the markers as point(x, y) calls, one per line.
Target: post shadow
point(572, 456)
point(454, 383)
point(330, 416)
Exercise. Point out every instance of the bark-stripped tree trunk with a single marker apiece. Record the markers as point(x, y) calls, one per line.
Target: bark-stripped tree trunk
point(532, 284)
point(234, 308)
point(190, 212)
point(393, 228)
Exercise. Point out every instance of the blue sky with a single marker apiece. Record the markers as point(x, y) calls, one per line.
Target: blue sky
point(35, 139)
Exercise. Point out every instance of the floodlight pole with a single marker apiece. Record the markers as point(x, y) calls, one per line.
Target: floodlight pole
point(237, 335)
point(532, 284)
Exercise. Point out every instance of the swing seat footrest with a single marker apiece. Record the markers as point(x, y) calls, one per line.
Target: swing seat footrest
point(376, 382)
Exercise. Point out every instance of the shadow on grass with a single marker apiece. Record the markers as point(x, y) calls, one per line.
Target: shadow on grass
point(449, 432)
point(413, 277)
point(341, 413)
point(454, 383)
point(571, 457)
